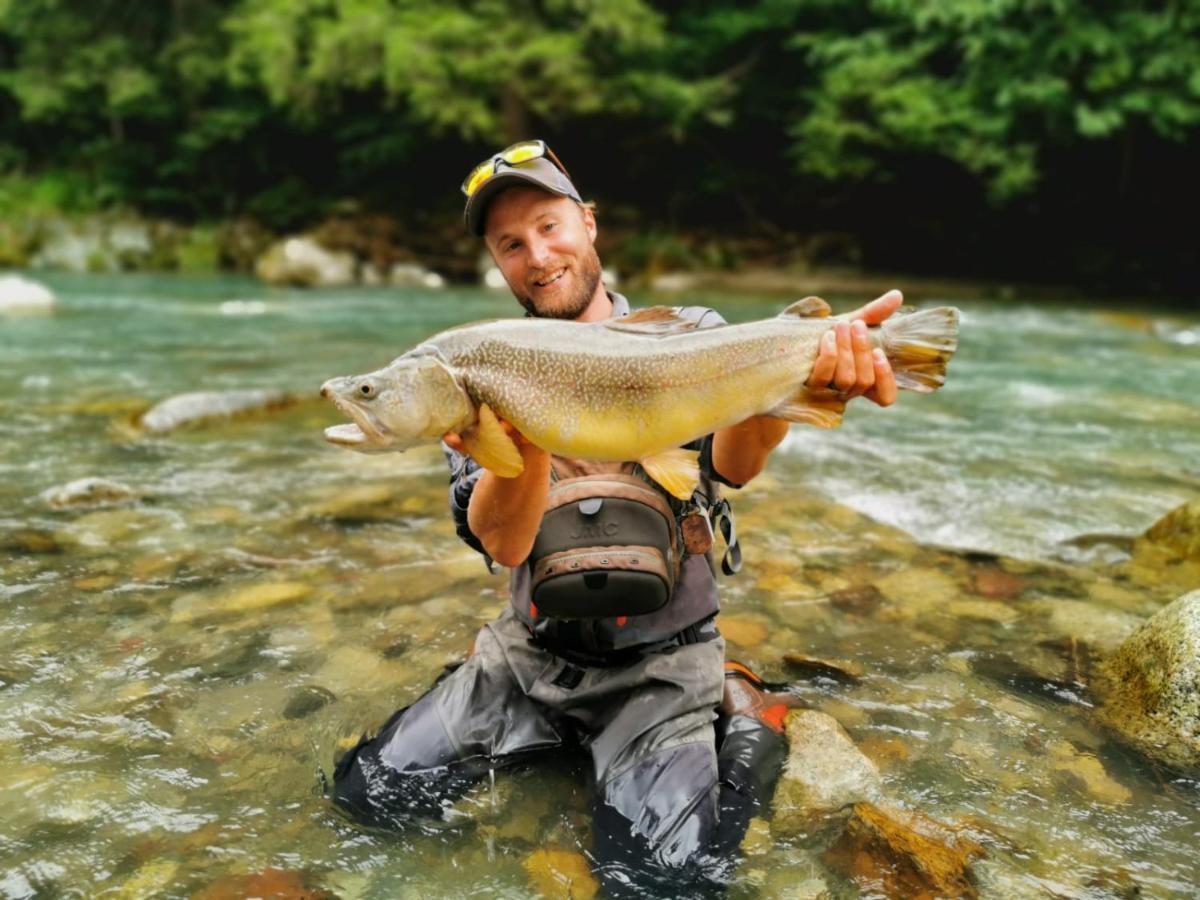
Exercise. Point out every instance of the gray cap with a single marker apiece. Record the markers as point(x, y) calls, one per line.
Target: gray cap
point(540, 173)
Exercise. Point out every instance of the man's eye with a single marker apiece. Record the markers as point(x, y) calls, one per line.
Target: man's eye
point(549, 226)
point(513, 246)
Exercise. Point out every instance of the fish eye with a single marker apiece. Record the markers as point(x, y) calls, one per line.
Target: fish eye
point(367, 389)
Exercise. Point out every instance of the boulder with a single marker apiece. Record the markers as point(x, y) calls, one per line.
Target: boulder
point(824, 772)
point(302, 262)
point(1151, 685)
point(201, 406)
point(895, 853)
point(22, 296)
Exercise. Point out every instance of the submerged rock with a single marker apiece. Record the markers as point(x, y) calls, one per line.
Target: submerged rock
point(307, 700)
point(823, 773)
point(1152, 685)
point(846, 671)
point(203, 406)
point(561, 875)
point(88, 492)
point(23, 295)
point(903, 854)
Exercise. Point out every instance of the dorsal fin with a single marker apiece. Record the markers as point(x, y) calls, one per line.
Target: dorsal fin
point(653, 320)
point(808, 308)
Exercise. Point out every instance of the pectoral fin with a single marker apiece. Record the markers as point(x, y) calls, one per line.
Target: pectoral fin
point(812, 406)
point(678, 471)
point(491, 447)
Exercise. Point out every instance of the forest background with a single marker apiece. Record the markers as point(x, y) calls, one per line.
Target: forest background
point(1021, 140)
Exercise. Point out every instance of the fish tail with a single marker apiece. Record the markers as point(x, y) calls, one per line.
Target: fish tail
point(919, 345)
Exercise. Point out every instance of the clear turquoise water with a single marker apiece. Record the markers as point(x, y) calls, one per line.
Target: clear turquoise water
point(150, 650)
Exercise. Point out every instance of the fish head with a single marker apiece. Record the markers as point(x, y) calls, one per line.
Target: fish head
point(415, 400)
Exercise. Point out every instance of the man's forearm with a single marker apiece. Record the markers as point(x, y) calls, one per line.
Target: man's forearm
point(505, 513)
point(740, 451)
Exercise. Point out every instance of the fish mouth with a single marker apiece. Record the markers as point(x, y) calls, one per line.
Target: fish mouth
point(365, 434)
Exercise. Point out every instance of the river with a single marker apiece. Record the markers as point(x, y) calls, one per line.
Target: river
point(179, 670)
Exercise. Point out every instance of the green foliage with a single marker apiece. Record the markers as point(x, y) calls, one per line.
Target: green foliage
point(764, 114)
point(988, 85)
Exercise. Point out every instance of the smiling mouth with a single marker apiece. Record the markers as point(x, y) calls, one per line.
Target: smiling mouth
point(546, 282)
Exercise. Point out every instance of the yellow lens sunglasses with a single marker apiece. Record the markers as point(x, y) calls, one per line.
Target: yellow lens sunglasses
point(520, 152)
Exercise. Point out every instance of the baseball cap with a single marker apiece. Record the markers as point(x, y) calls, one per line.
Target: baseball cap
point(527, 162)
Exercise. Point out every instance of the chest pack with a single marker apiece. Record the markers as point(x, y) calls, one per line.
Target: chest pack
point(608, 546)
point(612, 544)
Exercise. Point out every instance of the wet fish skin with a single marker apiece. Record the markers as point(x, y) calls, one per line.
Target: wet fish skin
point(623, 389)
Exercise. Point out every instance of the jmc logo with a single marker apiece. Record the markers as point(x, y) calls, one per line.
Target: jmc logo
point(595, 530)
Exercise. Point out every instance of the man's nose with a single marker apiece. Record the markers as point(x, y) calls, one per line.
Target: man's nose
point(539, 252)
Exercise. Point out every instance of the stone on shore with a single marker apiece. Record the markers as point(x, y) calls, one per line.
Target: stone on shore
point(824, 772)
point(203, 406)
point(1152, 685)
point(302, 262)
point(903, 854)
point(22, 296)
point(413, 275)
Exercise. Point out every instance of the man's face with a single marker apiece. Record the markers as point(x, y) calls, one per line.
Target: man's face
point(544, 246)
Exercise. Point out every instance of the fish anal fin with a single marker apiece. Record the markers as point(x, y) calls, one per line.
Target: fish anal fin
point(491, 447)
point(820, 407)
point(678, 471)
point(808, 308)
point(653, 320)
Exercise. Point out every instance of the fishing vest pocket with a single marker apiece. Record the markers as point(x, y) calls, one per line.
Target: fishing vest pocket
point(606, 547)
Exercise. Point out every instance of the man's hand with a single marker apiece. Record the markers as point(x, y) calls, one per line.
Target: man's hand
point(505, 513)
point(455, 442)
point(846, 361)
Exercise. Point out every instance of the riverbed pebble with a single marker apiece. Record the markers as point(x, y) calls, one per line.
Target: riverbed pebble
point(897, 853)
point(199, 407)
point(88, 493)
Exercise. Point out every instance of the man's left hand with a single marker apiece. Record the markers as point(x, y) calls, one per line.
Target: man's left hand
point(846, 361)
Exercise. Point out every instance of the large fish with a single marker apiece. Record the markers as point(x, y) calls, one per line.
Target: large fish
point(634, 388)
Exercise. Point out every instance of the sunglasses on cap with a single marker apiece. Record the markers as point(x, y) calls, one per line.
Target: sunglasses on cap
point(520, 152)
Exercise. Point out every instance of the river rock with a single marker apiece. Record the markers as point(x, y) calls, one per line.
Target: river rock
point(895, 853)
point(824, 772)
point(88, 493)
point(302, 262)
point(742, 631)
point(561, 875)
point(1178, 532)
point(277, 884)
point(23, 295)
point(307, 700)
point(1151, 685)
point(204, 406)
point(1084, 772)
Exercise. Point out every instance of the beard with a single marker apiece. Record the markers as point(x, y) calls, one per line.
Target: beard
point(573, 305)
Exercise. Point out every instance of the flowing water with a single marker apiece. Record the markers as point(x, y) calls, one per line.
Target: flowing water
point(178, 670)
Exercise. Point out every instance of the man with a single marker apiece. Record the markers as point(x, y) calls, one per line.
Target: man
point(640, 692)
